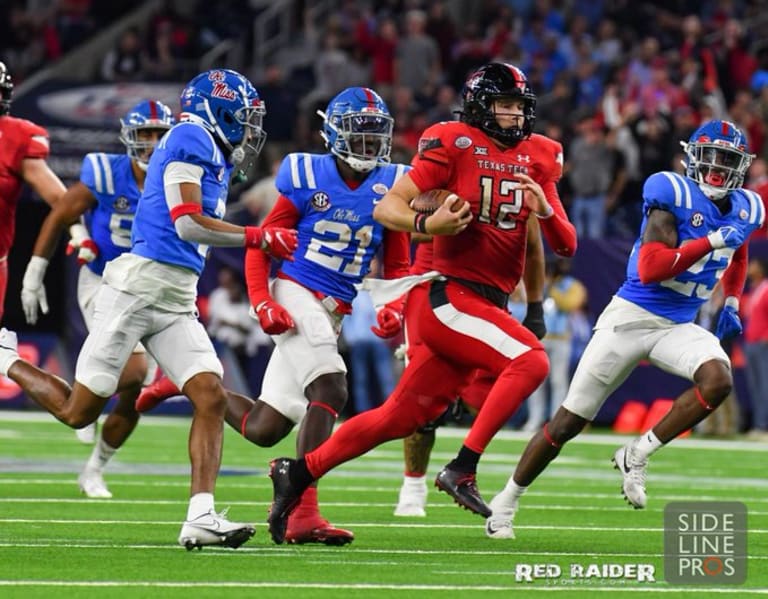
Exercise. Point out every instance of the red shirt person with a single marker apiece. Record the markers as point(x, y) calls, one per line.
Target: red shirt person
point(23, 150)
point(503, 174)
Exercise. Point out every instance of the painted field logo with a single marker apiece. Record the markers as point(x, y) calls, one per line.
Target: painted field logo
point(705, 542)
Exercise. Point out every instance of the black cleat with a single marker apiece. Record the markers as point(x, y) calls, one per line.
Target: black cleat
point(462, 486)
point(285, 498)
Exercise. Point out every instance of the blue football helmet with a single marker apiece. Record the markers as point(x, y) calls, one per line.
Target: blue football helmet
point(357, 128)
point(717, 158)
point(227, 105)
point(148, 115)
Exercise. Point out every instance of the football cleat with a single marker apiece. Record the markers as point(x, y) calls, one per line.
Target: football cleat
point(632, 470)
point(462, 486)
point(92, 484)
point(214, 529)
point(285, 498)
point(499, 524)
point(153, 395)
point(412, 502)
point(315, 529)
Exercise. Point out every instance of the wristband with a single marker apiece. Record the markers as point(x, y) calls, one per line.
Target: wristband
point(732, 302)
point(547, 214)
point(420, 222)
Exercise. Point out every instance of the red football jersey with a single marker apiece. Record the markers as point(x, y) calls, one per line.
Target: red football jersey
point(463, 159)
point(422, 258)
point(19, 139)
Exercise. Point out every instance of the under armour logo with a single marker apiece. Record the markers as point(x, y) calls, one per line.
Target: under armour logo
point(523, 158)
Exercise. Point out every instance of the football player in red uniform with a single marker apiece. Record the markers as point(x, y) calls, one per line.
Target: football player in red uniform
point(503, 174)
point(23, 151)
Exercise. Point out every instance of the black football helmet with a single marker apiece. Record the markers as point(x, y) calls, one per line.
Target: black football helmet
point(488, 83)
point(6, 89)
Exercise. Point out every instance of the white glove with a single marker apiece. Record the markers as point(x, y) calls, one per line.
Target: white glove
point(727, 236)
point(33, 290)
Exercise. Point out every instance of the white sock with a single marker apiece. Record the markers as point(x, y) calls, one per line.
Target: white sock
point(647, 444)
point(414, 483)
point(199, 504)
point(100, 455)
point(513, 490)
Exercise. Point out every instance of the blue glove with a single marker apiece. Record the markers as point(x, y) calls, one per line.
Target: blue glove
point(729, 323)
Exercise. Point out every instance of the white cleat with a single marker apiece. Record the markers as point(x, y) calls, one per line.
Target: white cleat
point(412, 502)
point(214, 529)
point(87, 434)
point(92, 484)
point(632, 469)
point(9, 350)
point(499, 524)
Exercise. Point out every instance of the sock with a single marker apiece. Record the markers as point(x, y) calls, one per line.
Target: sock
point(414, 483)
point(513, 491)
point(647, 444)
point(199, 504)
point(466, 461)
point(308, 504)
point(299, 475)
point(100, 455)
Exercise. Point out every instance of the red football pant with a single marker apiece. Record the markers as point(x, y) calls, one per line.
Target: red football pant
point(3, 283)
point(461, 332)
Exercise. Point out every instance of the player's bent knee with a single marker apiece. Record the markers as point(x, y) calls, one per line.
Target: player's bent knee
point(564, 426)
point(103, 385)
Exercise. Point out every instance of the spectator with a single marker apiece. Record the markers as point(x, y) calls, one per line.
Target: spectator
point(126, 61)
point(368, 354)
point(756, 346)
point(417, 65)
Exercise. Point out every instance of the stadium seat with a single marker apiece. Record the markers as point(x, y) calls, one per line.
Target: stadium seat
point(656, 412)
point(630, 418)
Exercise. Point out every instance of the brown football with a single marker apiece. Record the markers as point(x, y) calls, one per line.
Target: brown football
point(431, 200)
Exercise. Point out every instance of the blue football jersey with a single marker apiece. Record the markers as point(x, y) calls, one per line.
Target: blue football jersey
point(154, 235)
point(337, 234)
point(696, 215)
point(110, 179)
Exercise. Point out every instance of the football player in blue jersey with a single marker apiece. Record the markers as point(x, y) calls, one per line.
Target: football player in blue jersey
point(148, 294)
point(329, 198)
point(107, 195)
point(692, 236)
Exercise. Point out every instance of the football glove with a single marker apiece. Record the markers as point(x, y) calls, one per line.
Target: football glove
point(273, 318)
point(534, 319)
point(726, 237)
point(389, 319)
point(87, 250)
point(729, 323)
point(32, 290)
point(276, 241)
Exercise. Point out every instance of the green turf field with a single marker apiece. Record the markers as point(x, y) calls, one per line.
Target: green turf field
point(53, 542)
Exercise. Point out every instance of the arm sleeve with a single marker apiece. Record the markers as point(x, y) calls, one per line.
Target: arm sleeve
point(257, 275)
point(659, 262)
point(397, 252)
point(283, 214)
point(557, 229)
point(735, 275)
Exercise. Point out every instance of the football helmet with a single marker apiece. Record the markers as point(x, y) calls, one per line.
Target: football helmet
point(146, 115)
point(717, 158)
point(491, 82)
point(227, 105)
point(357, 128)
point(6, 90)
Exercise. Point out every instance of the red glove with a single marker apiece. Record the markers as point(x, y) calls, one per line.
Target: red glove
point(87, 250)
point(277, 241)
point(273, 318)
point(390, 319)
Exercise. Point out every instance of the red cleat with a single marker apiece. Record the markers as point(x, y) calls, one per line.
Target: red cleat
point(154, 394)
point(315, 529)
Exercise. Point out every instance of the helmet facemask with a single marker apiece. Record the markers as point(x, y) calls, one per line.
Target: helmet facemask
point(361, 139)
point(716, 166)
point(140, 143)
point(245, 152)
point(6, 90)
